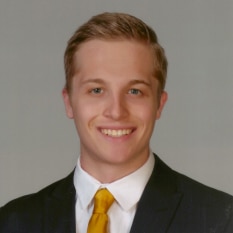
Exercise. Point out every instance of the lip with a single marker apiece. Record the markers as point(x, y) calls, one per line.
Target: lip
point(116, 133)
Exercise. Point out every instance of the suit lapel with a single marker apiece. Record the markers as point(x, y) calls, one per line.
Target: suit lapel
point(155, 211)
point(158, 203)
point(60, 208)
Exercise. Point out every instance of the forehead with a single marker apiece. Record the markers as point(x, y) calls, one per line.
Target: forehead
point(115, 54)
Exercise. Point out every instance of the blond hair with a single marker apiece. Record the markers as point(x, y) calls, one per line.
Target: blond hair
point(115, 26)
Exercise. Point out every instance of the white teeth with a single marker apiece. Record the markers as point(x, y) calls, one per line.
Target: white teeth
point(116, 133)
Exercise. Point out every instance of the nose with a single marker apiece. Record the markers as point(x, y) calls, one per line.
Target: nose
point(116, 107)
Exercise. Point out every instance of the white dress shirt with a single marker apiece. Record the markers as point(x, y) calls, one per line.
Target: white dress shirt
point(126, 191)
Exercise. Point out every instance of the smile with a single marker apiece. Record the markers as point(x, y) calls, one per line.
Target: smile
point(116, 133)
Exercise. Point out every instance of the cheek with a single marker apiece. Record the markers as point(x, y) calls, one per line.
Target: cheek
point(85, 115)
point(147, 114)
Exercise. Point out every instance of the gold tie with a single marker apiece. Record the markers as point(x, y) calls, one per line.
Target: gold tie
point(103, 199)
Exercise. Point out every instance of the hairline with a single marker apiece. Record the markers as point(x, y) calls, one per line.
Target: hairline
point(119, 38)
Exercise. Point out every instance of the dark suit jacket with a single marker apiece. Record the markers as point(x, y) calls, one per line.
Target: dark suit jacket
point(170, 203)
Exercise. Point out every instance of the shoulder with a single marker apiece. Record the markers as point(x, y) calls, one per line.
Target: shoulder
point(199, 205)
point(54, 189)
point(189, 186)
point(197, 190)
point(197, 198)
point(204, 204)
point(32, 207)
point(202, 194)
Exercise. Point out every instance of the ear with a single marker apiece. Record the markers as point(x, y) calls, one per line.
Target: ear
point(67, 102)
point(162, 102)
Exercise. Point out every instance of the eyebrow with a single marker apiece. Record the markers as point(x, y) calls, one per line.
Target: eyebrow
point(95, 80)
point(132, 82)
point(139, 81)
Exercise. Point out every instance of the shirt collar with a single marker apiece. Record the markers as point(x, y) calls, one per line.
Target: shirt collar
point(126, 191)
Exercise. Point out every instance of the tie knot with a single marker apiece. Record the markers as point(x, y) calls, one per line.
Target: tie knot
point(103, 199)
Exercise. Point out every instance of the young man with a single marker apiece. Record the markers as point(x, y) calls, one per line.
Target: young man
point(114, 92)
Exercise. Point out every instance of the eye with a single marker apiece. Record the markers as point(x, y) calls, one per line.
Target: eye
point(134, 91)
point(96, 90)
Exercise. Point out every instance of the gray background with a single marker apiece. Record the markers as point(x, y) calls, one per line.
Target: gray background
point(38, 144)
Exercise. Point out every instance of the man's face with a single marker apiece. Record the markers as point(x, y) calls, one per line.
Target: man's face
point(114, 104)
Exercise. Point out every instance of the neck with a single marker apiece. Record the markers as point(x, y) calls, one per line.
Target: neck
point(107, 172)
